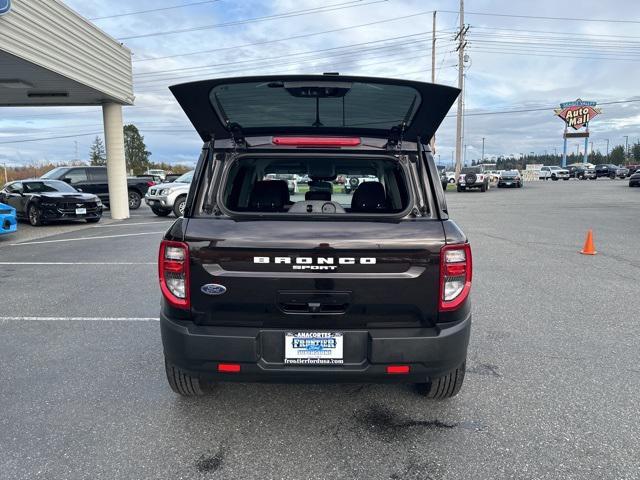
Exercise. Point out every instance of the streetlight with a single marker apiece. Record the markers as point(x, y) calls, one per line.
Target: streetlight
point(607, 149)
point(482, 149)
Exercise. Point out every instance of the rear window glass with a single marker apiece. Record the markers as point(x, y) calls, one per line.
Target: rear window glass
point(317, 104)
point(322, 186)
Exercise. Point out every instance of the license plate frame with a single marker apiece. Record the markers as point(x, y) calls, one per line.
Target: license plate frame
point(314, 348)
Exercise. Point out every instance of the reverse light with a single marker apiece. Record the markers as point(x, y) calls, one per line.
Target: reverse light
point(455, 276)
point(317, 141)
point(173, 273)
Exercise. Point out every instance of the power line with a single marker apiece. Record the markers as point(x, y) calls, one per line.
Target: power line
point(568, 35)
point(328, 61)
point(528, 53)
point(161, 9)
point(569, 19)
point(295, 37)
point(294, 13)
point(355, 51)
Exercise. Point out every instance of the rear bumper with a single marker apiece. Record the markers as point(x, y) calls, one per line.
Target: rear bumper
point(199, 349)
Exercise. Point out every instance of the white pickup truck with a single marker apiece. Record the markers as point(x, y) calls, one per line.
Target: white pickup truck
point(554, 173)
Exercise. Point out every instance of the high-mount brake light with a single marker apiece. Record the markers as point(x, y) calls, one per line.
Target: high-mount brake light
point(317, 141)
point(455, 276)
point(173, 273)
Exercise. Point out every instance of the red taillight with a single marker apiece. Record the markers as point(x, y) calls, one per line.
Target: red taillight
point(150, 184)
point(317, 141)
point(398, 369)
point(173, 272)
point(455, 276)
point(229, 367)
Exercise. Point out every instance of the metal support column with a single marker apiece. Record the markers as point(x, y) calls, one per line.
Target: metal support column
point(564, 149)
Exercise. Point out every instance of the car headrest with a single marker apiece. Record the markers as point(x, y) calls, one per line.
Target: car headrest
point(369, 197)
point(318, 195)
point(322, 171)
point(319, 190)
point(269, 195)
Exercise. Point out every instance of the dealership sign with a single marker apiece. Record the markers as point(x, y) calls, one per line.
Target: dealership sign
point(577, 114)
point(5, 6)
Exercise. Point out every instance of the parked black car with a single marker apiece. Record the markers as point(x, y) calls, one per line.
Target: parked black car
point(94, 180)
point(611, 171)
point(510, 178)
point(582, 172)
point(370, 287)
point(41, 201)
point(634, 180)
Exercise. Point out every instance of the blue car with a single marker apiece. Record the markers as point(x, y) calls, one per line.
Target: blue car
point(8, 222)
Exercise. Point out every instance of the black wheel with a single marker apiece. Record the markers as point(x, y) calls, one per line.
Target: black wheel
point(93, 220)
point(134, 200)
point(181, 382)
point(484, 187)
point(554, 178)
point(565, 179)
point(459, 188)
point(443, 387)
point(35, 215)
point(178, 206)
point(452, 180)
point(519, 184)
point(161, 212)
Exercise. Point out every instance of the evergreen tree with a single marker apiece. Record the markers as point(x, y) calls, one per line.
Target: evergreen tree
point(635, 152)
point(135, 151)
point(97, 153)
point(617, 155)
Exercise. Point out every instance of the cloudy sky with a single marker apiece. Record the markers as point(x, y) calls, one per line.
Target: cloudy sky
point(519, 66)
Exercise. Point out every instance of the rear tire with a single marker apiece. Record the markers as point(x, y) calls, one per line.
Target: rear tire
point(443, 387)
point(161, 212)
point(181, 382)
point(93, 220)
point(459, 188)
point(483, 188)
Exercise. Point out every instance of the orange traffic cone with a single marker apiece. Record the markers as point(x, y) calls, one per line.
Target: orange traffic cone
point(589, 248)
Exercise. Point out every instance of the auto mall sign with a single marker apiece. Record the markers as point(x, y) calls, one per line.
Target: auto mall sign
point(577, 114)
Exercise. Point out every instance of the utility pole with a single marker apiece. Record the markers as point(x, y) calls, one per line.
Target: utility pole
point(461, 45)
point(433, 72)
point(6, 178)
point(76, 143)
point(482, 149)
point(626, 148)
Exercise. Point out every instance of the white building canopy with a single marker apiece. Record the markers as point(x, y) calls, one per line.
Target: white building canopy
point(50, 55)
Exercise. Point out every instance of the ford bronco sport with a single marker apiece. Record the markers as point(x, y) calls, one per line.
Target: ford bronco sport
point(259, 284)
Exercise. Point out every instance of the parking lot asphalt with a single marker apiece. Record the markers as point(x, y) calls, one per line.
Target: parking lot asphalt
point(551, 392)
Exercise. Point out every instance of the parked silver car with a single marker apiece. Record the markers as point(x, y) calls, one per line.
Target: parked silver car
point(169, 197)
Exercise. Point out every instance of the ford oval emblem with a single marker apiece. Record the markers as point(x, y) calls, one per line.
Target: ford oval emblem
point(213, 289)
